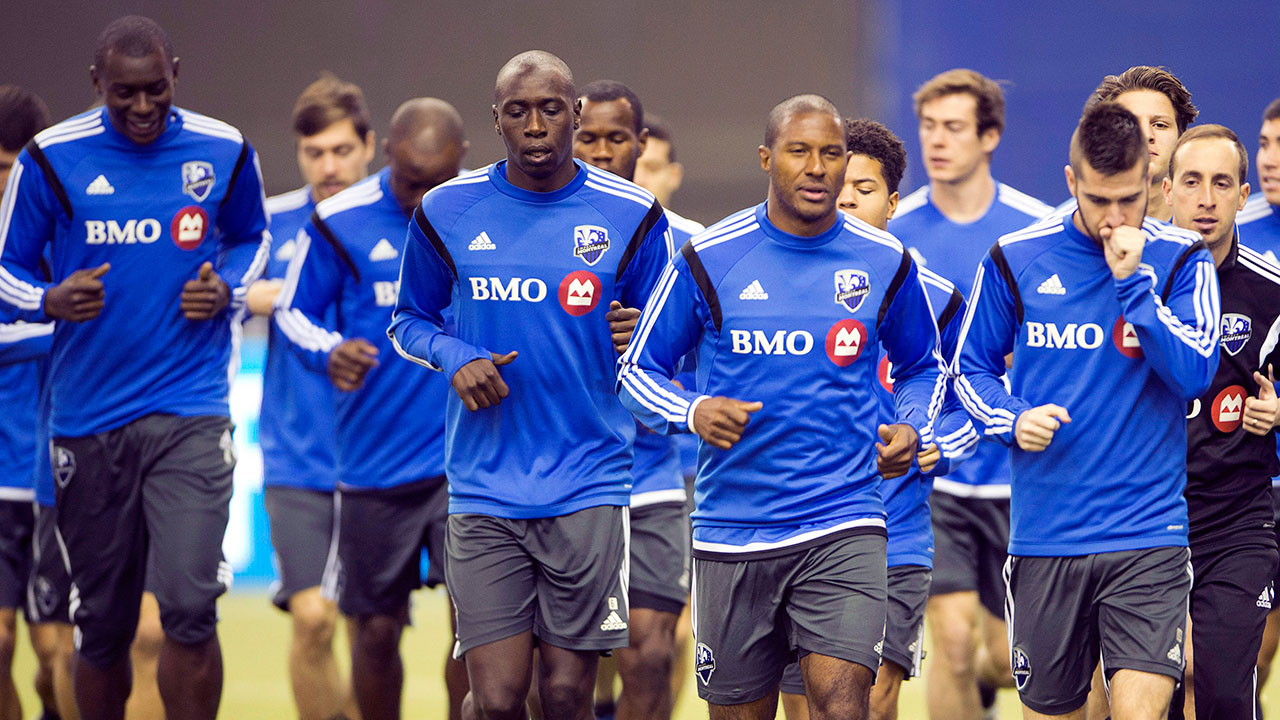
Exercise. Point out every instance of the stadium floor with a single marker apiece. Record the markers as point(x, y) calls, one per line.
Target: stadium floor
point(255, 642)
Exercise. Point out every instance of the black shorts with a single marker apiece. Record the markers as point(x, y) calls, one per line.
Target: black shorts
point(753, 617)
point(1275, 500)
point(660, 557)
point(304, 537)
point(48, 595)
point(17, 525)
point(971, 543)
point(564, 578)
point(160, 483)
point(1130, 606)
point(381, 534)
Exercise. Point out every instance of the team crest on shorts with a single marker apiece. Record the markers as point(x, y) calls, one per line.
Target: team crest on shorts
point(46, 596)
point(1236, 330)
point(197, 179)
point(705, 662)
point(64, 464)
point(590, 242)
point(852, 287)
point(1021, 667)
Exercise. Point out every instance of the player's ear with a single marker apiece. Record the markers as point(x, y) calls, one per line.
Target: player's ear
point(370, 142)
point(893, 204)
point(93, 79)
point(1244, 195)
point(466, 145)
point(764, 158)
point(496, 127)
point(989, 139)
point(577, 113)
point(641, 141)
point(173, 66)
point(1071, 179)
point(1166, 189)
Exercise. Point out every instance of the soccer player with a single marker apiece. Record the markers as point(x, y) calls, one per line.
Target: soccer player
point(789, 548)
point(525, 256)
point(1112, 320)
point(334, 308)
point(1231, 453)
point(949, 225)
point(154, 219)
point(335, 145)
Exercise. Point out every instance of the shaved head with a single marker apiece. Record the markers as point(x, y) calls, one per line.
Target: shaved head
point(796, 105)
point(429, 122)
point(533, 61)
point(424, 148)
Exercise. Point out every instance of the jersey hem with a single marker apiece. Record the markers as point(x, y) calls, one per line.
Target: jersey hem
point(531, 512)
point(1077, 549)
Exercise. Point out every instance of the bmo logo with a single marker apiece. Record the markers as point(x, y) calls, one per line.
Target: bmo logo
point(512, 290)
point(780, 342)
point(189, 227)
point(846, 341)
point(385, 292)
point(110, 232)
point(1126, 339)
point(580, 292)
point(1227, 408)
point(1072, 336)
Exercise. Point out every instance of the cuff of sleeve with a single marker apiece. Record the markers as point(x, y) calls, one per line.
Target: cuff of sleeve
point(455, 354)
point(693, 407)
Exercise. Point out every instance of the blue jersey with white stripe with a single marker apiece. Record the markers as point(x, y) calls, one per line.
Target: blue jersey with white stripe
point(1258, 225)
point(1124, 357)
point(792, 322)
point(657, 472)
point(533, 272)
point(156, 212)
point(23, 350)
point(954, 250)
point(346, 265)
point(295, 427)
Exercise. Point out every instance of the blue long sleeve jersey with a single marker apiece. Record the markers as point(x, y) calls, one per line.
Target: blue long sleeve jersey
point(1124, 357)
point(295, 427)
point(346, 265)
point(657, 473)
point(156, 212)
point(954, 250)
point(1259, 228)
point(532, 272)
point(24, 348)
point(754, 302)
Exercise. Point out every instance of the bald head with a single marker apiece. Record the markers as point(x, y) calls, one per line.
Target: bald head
point(430, 123)
point(533, 62)
point(797, 105)
point(424, 148)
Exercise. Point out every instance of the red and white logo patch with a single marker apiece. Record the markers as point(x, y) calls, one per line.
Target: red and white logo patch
point(845, 342)
point(580, 292)
point(1126, 339)
point(1227, 408)
point(189, 227)
point(885, 372)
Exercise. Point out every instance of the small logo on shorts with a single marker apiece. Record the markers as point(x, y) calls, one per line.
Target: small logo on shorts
point(614, 620)
point(228, 448)
point(705, 662)
point(1266, 596)
point(64, 465)
point(46, 597)
point(1021, 667)
point(879, 648)
point(1175, 654)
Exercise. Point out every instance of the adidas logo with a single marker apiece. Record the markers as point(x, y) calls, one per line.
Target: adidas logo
point(1052, 286)
point(1265, 597)
point(384, 250)
point(753, 292)
point(99, 186)
point(1175, 654)
point(613, 622)
point(482, 242)
point(285, 252)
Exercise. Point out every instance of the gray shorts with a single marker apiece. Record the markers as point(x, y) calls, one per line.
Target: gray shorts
point(660, 557)
point(903, 627)
point(753, 617)
point(381, 535)
point(304, 537)
point(1130, 606)
point(971, 543)
point(565, 578)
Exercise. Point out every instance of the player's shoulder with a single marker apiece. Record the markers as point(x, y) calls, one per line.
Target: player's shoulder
point(935, 281)
point(209, 129)
point(603, 188)
point(1255, 208)
point(861, 233)
point(457, 194)
point(1021, 202)
point(915, 200)
point(683, 224)
point(1032, 240)
point(289, 202)
point(723, 242)
point(362, 194)
point(1160, 234)
point(80, 127)
point(1259, 264)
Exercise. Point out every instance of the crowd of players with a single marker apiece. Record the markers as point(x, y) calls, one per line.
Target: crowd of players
point(498, 386)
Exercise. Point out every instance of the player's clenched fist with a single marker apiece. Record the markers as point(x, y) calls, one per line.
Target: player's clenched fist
point(78, 298)
point(896, 449)
point(479, 384)
point(622, 322)
point(1261, 412)
point(721, 420)
point(205, 296)
point(1122, 246)
point(1035, 427)
point(350, 362)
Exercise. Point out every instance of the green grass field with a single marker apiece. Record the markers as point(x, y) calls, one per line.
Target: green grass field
point(255, 640)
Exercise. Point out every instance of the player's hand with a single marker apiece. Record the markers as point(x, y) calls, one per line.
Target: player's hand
point(928, 457)
point(721, 420)
point(205, 296)
point(479, 384)
point(1035, 427)
point(622, 322)
point(79, 297)
point(1122, 247)
point(350, 362)
point(896, 449)
point(1260, 413)
point(261, 296)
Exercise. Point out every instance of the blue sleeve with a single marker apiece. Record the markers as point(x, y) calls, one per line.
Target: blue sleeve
point(418, 324)
point(955, 434)
point(642, 272)
point(669, 328)
point(909, 336)
point(986, 337)
point(313, 283)
point(1179, 338)
point(244, 243)
point(28, 215)
point(23, 342)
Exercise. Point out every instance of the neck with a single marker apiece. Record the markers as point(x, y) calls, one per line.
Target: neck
point(789, 223)
point(1156, 206)
point(556, 180)
point(1222, 249)
point(964, 200)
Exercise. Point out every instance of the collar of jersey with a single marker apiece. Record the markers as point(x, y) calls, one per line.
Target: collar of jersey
point(498, 176)
point(172, 125)
point(797, 241)
point(1070, 230)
